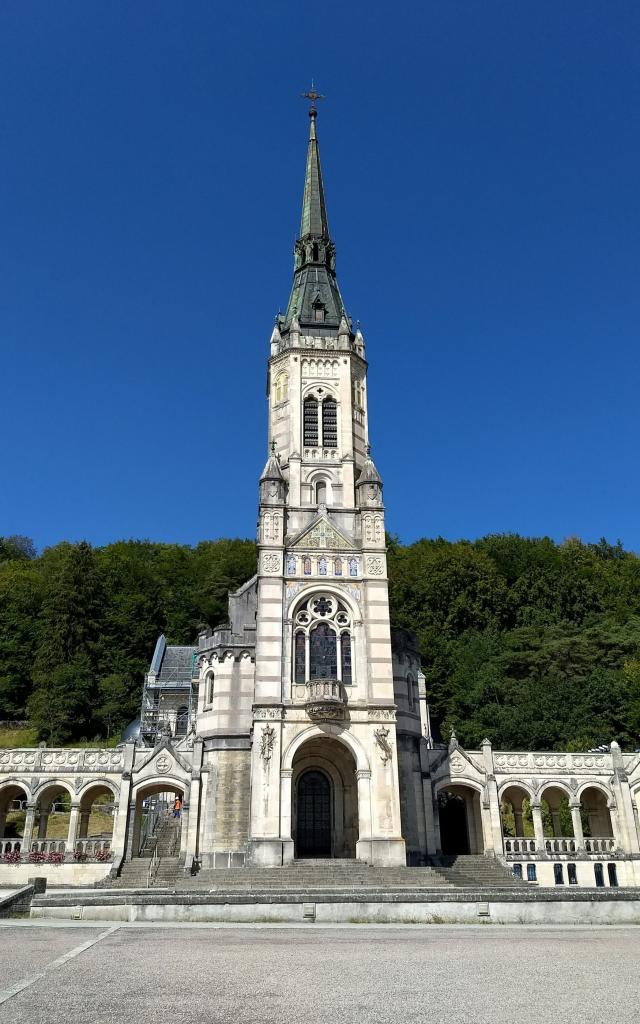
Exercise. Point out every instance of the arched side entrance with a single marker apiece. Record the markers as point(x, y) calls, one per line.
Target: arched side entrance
point(154, 819)
point(460, 817)
point(324, 800)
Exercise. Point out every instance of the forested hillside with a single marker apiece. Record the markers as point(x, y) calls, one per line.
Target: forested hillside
point(534, 644)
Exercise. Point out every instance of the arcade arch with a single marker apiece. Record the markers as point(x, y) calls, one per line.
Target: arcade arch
point(13, 811)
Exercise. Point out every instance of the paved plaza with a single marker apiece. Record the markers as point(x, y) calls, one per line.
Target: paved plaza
point(480, 974)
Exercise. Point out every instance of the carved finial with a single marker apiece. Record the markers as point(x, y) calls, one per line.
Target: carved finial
point(453, 734)
point(273, 447)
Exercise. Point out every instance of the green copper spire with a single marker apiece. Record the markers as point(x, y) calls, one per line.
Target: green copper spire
point(315, 296)
point(314, 211)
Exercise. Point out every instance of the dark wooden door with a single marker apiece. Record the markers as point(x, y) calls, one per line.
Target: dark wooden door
point(314, 816)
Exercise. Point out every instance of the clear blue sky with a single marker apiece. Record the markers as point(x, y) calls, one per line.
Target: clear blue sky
point(481, 162)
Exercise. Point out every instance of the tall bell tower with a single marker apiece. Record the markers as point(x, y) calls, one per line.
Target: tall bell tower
point(324, 710)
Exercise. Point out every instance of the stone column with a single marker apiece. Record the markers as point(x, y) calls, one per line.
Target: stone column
point(491, 819)
point(363, 777)
point(73, 826)
point(84, 824)
point(191, 845)
point(43, 822)
point(517, 815)
point(120, 818)
point(578, 836)
point(27, 832)
point(286, 782)
point(538, 827)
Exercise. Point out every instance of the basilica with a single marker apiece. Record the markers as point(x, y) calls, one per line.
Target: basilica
point(299, 729)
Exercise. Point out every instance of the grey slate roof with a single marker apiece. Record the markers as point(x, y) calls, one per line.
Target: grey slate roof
point(172, 665)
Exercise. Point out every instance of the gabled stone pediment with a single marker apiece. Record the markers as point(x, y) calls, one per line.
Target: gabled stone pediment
point(164, 759)
point(320, 535)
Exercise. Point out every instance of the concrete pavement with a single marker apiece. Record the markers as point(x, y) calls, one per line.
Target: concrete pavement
point(480, 974)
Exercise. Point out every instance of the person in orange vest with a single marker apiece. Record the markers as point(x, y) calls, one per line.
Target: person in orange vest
point(177, 806)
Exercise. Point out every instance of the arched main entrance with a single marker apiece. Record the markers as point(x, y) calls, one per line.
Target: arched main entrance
point(313, 831)
point(324, 799)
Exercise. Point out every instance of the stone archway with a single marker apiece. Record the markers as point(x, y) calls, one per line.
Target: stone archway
point(460, 818)
point(153, 815)
point(324, 800)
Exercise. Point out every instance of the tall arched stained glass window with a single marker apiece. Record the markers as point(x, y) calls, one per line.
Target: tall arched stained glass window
point(299, 658)
point(307, 566)
point(353, 566)
point(323, 652)
point(345, 654)
point(322, 566)
point(337, 567)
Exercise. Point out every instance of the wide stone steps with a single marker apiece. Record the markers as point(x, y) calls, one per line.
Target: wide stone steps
point(471, 870)
point(322, 876)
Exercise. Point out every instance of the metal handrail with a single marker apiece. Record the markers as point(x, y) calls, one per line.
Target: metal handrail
point(153, 865)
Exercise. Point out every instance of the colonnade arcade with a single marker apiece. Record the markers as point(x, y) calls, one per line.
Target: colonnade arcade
point(55, 820)
point(549, 820)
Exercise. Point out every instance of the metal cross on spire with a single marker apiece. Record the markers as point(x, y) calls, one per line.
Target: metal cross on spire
point(313, 96)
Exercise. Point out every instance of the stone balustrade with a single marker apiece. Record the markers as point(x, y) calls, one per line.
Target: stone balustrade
point(10, 846)
point(91, 847)
point(48, 846)
point(519, 844)
point(559, 845)
point(325, 699)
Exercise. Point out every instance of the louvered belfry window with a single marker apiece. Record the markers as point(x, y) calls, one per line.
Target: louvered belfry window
point(330, 423)
point(310, 422)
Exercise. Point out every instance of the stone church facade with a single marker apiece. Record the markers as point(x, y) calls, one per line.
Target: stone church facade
point(300, 728)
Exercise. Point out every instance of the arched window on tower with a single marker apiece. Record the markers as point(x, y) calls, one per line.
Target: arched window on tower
point(321, 493)
point(282, 387)
point(337, 567)
point(323, 652)
point(300, 658)
point(330, 423)
point(306, 566)
point(310, 421)
point(322, 641)
point(345, 654)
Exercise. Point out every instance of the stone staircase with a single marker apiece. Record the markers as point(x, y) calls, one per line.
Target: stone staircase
point(476, 871)
point(320, 876)
point(135, 873)
point(315, 876)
